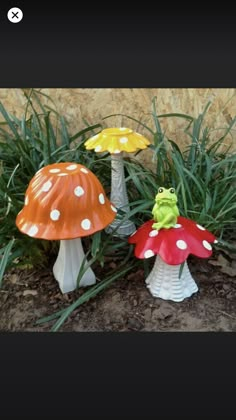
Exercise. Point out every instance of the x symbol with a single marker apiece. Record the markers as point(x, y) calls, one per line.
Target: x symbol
point(15, 15)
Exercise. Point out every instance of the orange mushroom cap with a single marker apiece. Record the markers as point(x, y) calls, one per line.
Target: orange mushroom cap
point(64, 201)
point(116, 140)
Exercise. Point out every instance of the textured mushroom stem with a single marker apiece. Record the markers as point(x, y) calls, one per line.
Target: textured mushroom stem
point(119, 196)
point(164, 281)
point(67, 266)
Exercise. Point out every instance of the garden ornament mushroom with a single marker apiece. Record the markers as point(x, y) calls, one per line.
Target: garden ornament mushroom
point(116, 141)
point(66, 201)
point(172, 238)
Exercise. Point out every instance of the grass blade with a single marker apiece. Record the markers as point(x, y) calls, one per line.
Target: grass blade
point(5, 259)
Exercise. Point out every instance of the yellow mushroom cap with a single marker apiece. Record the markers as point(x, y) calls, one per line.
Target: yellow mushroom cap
point(116, 140)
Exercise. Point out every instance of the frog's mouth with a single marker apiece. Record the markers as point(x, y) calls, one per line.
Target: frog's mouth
point(167, 200)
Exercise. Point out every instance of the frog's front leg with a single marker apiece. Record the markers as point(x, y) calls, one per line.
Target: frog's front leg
point(168, 221)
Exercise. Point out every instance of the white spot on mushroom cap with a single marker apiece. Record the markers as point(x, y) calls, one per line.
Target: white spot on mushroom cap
point(46, 186)
point(181, 244)
point(98, 148)
point(116, 151)
point(55, 214)
point(86, 224)
point(54, 171)
point(94, 137)
point(62, 174)
point(138, 134)
point(200, 227)
point(113, 208)
point(177, 225)
point(123, 140)
point(149, 253)
point(84, 170)
point(71, 167)
point(122, 128)
point(153, 233)
point(101, 198)
point(215, 241)
point(78, 191)
point(26, 200)
point(33, 230)
point(207, 245)
point(133, 233)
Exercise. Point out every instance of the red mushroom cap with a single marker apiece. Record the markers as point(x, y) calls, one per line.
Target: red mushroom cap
point(64, 201)
point(175, 244)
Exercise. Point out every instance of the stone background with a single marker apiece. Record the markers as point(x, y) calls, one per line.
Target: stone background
point(92, 104)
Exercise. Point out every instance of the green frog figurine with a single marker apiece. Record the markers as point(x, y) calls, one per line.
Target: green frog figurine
point(165, 210)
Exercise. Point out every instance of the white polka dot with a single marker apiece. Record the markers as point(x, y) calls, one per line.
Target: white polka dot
point(116, 151)
point(62, 174)
point(215, 241)
point(101, 198)
point(122, 128)
point(71, 167)
point(33, 230)
point(78, 191)
point(178, 225)
point(84, 170)
point(55, 214)
point(26, 200)
point(181, 244)
point(207, 245)
point(149, 253)
point(54, 171)
point(123, 140)
point(98, 148)
point(46, 186)
point(94, 137)
point(153, 233)
point(113, 209)
point(86, 224)
point(200, 227)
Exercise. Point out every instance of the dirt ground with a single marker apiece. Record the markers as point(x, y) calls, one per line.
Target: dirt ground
point(126, 305)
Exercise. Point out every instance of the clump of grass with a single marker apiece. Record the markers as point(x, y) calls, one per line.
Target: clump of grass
point(203, 173)
point(37, 139)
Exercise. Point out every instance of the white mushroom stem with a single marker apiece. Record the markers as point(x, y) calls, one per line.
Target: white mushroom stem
point(67, 266)
point(119, 196)
point(164, 281)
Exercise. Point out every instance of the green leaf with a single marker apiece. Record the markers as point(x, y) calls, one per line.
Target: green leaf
point(181, 269)
point(5, 259)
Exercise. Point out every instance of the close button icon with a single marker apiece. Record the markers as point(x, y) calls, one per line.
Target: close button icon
point(15, 15)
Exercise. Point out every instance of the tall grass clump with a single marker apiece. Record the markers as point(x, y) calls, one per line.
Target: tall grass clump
point(40, 137)
point(203, 172)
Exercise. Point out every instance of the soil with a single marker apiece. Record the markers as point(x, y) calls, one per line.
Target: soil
point(126, 305)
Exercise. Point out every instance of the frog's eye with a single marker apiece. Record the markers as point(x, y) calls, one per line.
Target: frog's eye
point(160, 190)
point(172, 190)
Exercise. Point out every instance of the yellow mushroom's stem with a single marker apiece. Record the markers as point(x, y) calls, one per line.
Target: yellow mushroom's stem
point(119, 196)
